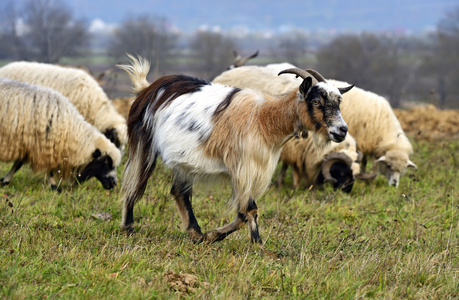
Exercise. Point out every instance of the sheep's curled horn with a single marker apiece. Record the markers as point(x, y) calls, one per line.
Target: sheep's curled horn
point(329, 160)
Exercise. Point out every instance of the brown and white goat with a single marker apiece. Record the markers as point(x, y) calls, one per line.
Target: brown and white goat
point(201, 129)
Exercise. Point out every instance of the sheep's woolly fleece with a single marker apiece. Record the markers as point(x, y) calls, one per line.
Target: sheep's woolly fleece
point(374, 125)
point(79, 87)
point(42, 125)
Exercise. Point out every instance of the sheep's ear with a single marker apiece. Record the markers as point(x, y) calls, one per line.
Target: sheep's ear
point(412, 165)
point(346, 89)
point(96, 154)
point(305, 86)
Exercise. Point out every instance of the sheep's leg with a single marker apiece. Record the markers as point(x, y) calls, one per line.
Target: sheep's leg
point(363, 164)
point(249, 215)
point(182, 194)
point(7, 178)
point(296, 176)
point(281, 176)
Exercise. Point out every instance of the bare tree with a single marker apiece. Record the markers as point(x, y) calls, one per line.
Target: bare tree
point(442, 58)
point(292, 47)
point(370, 61)
point(144, 36)
point(214, 52)
point(51, 31)
point(11, 45)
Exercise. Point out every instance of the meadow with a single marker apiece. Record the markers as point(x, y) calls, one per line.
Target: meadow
point(376, 242)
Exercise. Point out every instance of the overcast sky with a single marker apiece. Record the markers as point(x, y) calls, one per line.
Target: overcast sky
point(409, 16)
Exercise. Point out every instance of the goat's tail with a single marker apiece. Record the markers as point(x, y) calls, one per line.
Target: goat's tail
point(137, 71)
point(140, 166)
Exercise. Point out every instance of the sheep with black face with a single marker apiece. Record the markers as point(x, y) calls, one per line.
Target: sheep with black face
point(80, 88)
point(40, 127)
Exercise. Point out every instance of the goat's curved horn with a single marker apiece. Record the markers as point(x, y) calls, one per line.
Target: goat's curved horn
point(329, 160)
point(316, 75)
point(297, 71)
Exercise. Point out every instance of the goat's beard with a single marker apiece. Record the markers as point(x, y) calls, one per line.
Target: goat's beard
point(320, 141)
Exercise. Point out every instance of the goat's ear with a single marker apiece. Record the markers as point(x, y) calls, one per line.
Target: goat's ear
point(305, 86)
point(96, 154)
point(346, 89)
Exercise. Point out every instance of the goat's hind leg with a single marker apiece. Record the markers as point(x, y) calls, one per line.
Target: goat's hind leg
point(136, 176)
point(248, 215)
point(7, 178)
point(182, 194)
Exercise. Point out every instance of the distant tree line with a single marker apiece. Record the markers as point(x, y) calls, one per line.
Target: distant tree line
point(398, 67)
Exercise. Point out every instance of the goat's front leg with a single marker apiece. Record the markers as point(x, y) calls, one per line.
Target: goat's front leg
point(248, 215)
point(7, 178)
point(182, 193)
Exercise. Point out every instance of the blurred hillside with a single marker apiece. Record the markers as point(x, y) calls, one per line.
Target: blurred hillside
point(414, 61)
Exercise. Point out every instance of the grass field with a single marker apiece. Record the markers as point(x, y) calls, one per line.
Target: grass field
point(377, 242)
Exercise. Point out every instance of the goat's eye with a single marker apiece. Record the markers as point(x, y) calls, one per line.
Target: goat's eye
point(316, 102)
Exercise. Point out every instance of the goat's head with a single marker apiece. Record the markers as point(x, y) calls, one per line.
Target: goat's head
point(336, 169)
point(240, 61)
point(321, 113)
point(102, 168)
point(394, 164)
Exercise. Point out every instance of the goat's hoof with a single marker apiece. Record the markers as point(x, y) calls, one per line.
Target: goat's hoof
point(4, 183)
point(195, 235)
point(256, 239)
point(213, 236)
point(128, 229)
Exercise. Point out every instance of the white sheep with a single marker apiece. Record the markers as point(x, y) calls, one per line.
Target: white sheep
point(370, 118)
point(80, 88)
point(337, 163)
point(203, 130)
point(41, 127)
point(378, 132)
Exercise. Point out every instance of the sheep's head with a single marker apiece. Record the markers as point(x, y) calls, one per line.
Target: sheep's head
point(321, 113)
point(102, 168)
point(337, 169)
point(394, 164)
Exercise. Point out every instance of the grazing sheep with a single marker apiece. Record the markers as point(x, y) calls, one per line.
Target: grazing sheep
point(80, 88)
point(338, 163)
point(41, 127)
point(378, 132)
point(204, 130)
point(370, 118)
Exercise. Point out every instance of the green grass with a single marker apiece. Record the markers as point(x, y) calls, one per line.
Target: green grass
point(377, 242)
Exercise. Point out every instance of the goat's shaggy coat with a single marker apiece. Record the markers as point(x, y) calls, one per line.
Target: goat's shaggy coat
point(41, 127)
point(201, 129)
point(370, 117)
point(80, 88)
